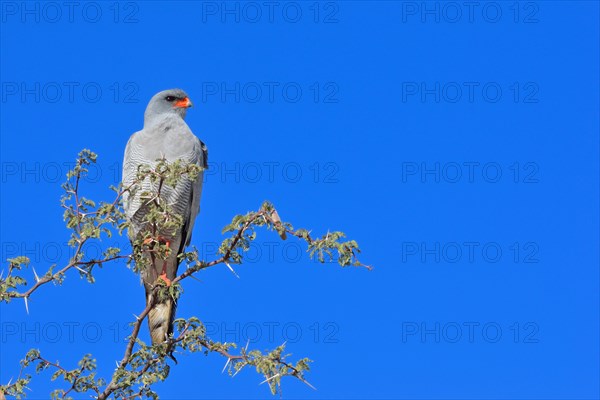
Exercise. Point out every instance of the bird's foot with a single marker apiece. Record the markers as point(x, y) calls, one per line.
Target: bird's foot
point(159, 240)
point(163, 276)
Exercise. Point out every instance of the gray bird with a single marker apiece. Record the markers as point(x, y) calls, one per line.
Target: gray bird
point(165, 134)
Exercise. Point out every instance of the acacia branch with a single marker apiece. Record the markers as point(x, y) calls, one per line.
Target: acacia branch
point(112, 386)
point(145, 364)
point(80, 239)
point(203, 265)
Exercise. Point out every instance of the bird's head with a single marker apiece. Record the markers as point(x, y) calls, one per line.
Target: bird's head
point(172, 101)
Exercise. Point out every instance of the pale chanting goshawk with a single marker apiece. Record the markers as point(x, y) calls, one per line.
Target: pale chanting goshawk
point(165, 135)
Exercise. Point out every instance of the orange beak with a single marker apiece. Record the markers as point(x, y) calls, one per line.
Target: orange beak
point(183, 103)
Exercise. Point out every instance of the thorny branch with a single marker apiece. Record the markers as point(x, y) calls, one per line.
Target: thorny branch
point(144, 365)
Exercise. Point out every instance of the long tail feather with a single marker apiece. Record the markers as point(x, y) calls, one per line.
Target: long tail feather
point(160, 319)
point(162, 314)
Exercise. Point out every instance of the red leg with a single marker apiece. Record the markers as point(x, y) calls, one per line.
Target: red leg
point(163, 274)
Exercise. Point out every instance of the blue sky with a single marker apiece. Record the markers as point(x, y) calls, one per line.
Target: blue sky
point(457, 144)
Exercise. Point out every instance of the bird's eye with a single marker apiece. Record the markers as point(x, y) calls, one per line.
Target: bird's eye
point(170, 98)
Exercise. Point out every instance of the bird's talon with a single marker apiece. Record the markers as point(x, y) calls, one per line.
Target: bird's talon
point(165, 279)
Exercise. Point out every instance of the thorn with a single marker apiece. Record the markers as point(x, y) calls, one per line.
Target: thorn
point(1, 273)
point(277, 222)
point(231, 269)
point(283, 344)
point(236, 372)
point(136, 317)
point(37, 278)
point(26, 305)
point(308, 384)
point(117, 363)
point(267, 380)
point(226, 364)
point(192, 276)
point(80, 270)
point(247, 344)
